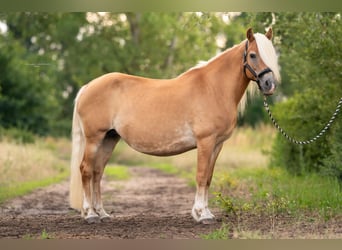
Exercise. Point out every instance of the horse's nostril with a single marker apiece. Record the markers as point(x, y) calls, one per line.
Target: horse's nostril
point(267, 83)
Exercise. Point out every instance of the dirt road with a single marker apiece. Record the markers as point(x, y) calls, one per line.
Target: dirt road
point(150, 205)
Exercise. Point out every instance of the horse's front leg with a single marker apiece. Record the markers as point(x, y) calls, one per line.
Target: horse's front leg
point(208, 152)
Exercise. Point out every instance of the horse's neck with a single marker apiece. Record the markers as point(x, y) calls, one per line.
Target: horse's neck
point(226, 74)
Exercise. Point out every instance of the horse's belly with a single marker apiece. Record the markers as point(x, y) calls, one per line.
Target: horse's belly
point(161, 143)
point(163, 148)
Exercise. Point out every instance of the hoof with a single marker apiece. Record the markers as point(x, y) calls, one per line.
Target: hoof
point(208, 221)
point(204, 217)
point(92, 219)
point(106, 218)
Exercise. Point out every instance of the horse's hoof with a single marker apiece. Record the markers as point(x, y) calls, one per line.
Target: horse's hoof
point(106, 218)
point(92, 219)
point(208, 221)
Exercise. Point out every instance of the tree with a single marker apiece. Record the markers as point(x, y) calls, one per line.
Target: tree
point(26, 101)
point(310, 52)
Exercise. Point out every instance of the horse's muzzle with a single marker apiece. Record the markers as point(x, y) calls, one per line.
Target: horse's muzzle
point(267, 84)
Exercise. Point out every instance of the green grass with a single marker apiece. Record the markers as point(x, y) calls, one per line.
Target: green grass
point(43, 236)
point(19, 189)
point(218, 234)
point(117, 172)
point(26, 167)
point(278, 191)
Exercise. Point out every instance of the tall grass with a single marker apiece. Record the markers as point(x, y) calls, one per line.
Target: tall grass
point(291, 194)
point(24, 167)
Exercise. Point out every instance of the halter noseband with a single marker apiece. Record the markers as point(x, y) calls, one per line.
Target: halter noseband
point(255, 74)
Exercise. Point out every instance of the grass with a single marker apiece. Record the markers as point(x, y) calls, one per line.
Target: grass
point(43, 236)
point(218, 234)
point(277, 190)
point(117, 172)
point(25, 167)
point(14, 190)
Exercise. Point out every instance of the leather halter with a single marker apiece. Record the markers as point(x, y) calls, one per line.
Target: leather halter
point(251, 70)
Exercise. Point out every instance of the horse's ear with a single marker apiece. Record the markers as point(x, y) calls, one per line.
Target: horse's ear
point(269, 34)
point(250, 35)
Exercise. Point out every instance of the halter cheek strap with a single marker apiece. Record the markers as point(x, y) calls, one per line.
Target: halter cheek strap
point(251, 70)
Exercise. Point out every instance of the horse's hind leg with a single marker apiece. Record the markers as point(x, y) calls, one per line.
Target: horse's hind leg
point(103, 155)
point(87, 171)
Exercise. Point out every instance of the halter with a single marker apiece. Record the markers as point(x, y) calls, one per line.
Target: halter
point(255, 74)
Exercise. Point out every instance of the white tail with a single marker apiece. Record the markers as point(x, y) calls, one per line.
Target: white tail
point(78, 147)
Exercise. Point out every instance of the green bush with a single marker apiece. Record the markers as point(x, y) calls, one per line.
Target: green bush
point(303, 117)
point(17, 135)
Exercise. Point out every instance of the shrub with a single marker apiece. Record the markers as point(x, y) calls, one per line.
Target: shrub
point(17, 135)
point(303, 117)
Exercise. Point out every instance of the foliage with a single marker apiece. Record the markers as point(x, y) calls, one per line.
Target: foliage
point(25, 93)
point(302, 121)
point(19, 136)
point(312, 58)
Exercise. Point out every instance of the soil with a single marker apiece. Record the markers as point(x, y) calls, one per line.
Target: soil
point(150, 205)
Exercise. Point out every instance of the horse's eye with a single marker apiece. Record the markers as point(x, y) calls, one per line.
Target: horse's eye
point(252, 55)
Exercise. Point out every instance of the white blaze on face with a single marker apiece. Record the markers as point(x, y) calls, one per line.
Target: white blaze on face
point(268, 54)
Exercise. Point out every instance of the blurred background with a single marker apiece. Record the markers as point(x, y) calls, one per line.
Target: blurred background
point(46, 57)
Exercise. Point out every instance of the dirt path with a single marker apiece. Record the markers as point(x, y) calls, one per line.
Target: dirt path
point(150, 205)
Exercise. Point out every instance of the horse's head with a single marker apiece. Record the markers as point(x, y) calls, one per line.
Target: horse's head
point(260, 61)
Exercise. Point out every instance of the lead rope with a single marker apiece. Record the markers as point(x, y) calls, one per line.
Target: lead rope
point(291, 139)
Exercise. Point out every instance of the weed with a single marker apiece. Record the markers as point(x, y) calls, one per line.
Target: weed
point(43, 236)
point(219, 234)
point(226, 204)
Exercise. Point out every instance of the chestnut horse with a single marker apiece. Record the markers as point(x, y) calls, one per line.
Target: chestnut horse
point(197, 109)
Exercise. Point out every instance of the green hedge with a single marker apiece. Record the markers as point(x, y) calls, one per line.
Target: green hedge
point(303, 116)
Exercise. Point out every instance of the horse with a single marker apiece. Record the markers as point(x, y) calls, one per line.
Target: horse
point(162, 117)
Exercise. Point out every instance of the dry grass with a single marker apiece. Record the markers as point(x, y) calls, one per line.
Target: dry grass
point(246, 148)
point(32, 162)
